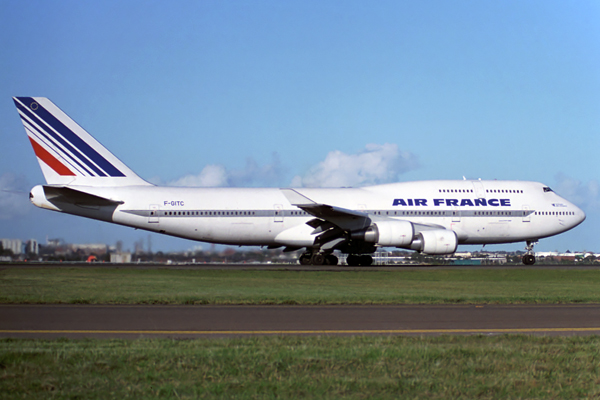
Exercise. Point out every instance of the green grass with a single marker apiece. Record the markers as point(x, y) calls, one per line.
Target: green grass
point(360, 367)
point(176, 286)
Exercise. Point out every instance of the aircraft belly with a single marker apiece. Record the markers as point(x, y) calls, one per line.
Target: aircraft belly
point(499, 229)
point(494, 231)
point(226, 231)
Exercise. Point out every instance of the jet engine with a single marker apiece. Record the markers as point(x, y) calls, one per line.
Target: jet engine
point(390, 233)
point(436, 241)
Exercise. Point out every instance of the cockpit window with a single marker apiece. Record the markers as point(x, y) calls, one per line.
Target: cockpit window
point(547, 189)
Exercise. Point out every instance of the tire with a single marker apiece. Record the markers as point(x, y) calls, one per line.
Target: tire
point(304, 259)
point(332, 260)
point(318, 259)
point(353, 260)
point(528, 259)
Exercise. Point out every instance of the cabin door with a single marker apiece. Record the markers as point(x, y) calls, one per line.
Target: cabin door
point(278, 213)
point(153, 214)
point(479, 190)
point(455, 214)
point(526, 214)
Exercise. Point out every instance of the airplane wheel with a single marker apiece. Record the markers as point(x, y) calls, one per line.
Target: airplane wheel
point(318, 259)
point(366, 260)
point(305, 259)
point(528, 259)
point(353, 260)
point(332, 260)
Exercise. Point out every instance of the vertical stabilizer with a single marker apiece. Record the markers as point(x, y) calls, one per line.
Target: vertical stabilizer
point(67, 154)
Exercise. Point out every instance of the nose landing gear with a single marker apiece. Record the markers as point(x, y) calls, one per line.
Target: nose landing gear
point(529, 257)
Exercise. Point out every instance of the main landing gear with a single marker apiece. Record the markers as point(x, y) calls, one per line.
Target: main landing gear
point(529, 257)
point(318, 259)
point(329, 259)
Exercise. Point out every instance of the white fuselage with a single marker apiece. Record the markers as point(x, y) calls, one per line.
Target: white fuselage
point(479, 212)
point(433, 217)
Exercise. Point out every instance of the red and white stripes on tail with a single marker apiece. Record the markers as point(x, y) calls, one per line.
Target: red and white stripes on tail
point(67, 154)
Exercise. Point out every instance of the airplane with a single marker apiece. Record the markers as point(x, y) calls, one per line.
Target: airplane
point(433, 217)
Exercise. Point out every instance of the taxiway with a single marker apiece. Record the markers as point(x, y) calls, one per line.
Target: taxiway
point(126, 321)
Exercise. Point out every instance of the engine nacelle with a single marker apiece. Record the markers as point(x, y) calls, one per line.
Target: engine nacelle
point(436, 241)
point(390, 233)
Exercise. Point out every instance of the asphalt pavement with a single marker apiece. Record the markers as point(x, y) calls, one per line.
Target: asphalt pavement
point(188, 321)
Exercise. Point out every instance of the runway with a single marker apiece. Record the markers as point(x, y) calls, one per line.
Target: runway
point(143, 321)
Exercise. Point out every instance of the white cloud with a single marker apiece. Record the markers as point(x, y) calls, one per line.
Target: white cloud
point(377, 163)
point(210, 176)
point(14, 196)
point(374, 165)
point(252, 174)
point(584, 195)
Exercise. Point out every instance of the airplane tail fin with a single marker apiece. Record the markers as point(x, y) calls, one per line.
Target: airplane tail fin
point(67, 154)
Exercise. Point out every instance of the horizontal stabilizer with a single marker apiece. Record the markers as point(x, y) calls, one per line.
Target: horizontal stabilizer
point(61, 194)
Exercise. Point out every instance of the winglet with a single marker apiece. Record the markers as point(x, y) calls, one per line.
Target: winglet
point(296, 198)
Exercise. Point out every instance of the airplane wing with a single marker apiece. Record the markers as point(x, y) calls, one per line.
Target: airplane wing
point(344, 218)
point(336, 225)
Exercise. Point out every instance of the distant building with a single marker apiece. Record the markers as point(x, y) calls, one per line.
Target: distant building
point(14, 245)
point(464, 254)
point(120, 258)
point(32, 247)
point(96, 248)
point(54, 242)
point(568, 256)
point(496, 258)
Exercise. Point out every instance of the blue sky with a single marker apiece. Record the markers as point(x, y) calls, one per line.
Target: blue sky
point(270, 93)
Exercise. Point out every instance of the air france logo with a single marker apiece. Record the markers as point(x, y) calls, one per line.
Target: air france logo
point(453, 202)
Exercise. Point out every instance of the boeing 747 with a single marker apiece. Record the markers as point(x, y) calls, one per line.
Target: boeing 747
point(432, 217)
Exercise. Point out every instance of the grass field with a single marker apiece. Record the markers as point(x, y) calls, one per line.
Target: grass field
point(303, 367)
point(356, 367)
point(176, 286)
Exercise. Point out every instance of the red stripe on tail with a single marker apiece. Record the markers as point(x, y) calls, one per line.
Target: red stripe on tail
point(50, 160)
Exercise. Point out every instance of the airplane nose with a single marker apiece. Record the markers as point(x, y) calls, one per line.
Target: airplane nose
point(581, 215)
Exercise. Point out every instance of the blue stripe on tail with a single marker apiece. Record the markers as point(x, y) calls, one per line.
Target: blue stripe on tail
point(72, 138)
point(58, 142)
